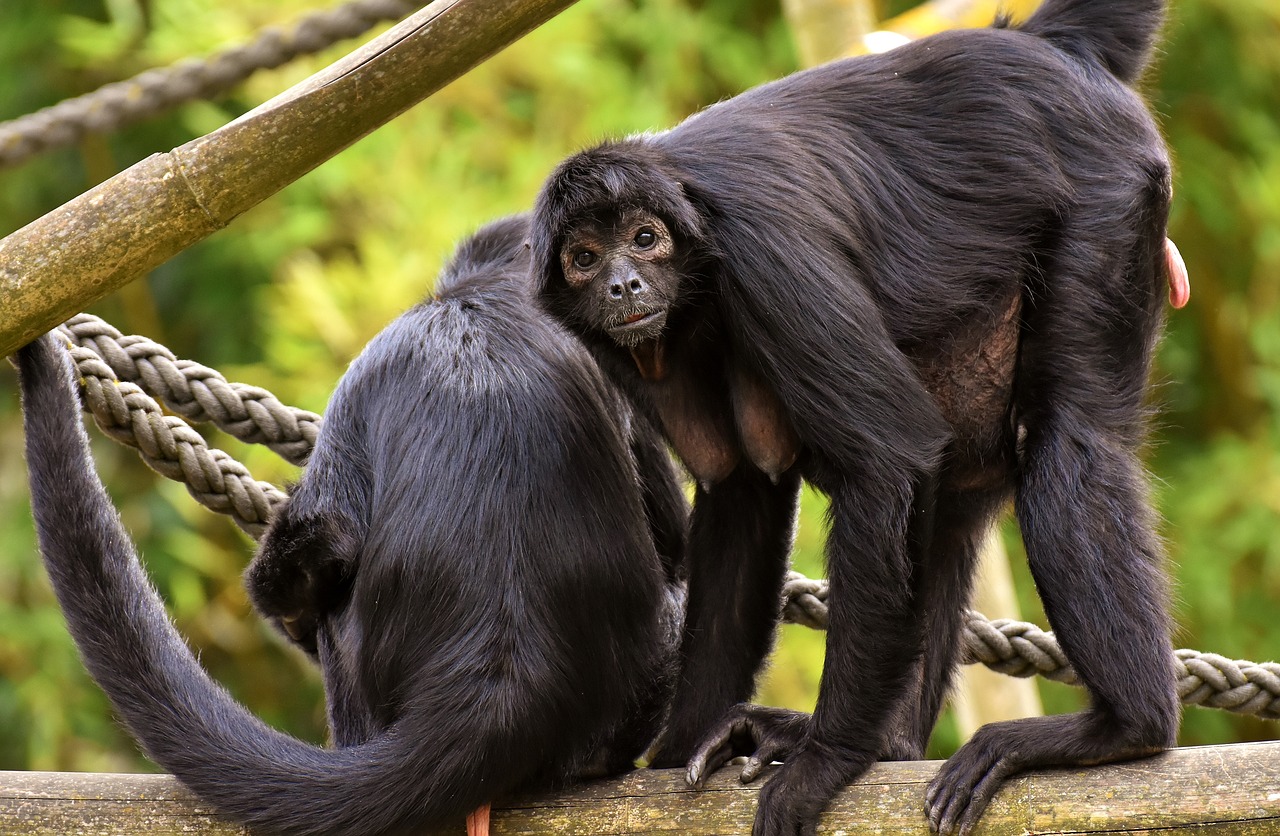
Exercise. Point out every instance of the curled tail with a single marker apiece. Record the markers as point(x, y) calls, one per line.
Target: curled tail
point(185, 721)
point(1119, 34)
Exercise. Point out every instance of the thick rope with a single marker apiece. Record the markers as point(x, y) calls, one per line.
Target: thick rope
point(197, 392)
point(1020, 649)
point(153, 91)
point(171, 447)
point(126, 413)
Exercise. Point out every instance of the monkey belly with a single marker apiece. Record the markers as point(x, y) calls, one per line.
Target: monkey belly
point(767, 438)
point(713, 421)
point(971, 379)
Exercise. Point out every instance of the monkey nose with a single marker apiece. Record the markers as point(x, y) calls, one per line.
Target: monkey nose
point(633, 285)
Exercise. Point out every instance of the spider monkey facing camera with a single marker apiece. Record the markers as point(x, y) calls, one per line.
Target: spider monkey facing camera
point(925, 281)
point(470, 553)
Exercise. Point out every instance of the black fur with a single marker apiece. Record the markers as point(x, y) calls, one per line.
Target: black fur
point(946, 264)
point(467, 553)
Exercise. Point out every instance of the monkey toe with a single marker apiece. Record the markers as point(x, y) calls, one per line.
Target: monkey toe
point(959, 794)
point(789, 805)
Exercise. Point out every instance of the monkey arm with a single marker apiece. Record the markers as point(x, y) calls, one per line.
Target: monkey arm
point(666, 507)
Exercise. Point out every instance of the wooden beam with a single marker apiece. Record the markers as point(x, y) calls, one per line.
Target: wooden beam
point(1219, 790)
point(58, 264)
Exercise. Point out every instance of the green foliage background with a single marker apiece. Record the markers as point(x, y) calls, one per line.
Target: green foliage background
point(288, 294)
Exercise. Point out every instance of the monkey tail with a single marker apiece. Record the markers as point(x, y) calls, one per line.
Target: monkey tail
point(1119, 34)
point(186, 722)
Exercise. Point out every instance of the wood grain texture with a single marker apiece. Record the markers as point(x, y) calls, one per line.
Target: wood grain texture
point(1211, 791)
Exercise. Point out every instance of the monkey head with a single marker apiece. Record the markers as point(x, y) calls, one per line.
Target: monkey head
point(622, 272)
point(617, 245)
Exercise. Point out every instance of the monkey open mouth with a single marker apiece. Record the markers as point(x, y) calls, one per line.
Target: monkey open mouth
point(637, 327)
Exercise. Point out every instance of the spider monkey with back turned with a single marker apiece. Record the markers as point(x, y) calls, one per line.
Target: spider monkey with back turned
point(925, 281)
point(481, 553)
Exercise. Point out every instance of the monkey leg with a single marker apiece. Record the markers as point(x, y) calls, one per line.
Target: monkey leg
point(943, 586)
point(1096, 561)
point(739, 539)
point(1089, 335)
point(873, 639)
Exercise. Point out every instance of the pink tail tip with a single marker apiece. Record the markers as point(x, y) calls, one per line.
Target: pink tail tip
point(478, 822)
point(1179, 283)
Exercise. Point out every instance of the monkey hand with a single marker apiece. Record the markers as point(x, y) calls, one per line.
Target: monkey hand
point(794, 797)
point(762, 734)
point(957, 796)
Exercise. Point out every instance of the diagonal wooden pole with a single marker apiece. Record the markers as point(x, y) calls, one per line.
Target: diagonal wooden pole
point(60, 263)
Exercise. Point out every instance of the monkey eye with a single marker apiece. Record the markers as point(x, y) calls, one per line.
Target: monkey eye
point(645, 238)
point(584, 259)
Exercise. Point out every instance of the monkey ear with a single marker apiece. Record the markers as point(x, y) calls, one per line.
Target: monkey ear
point(550, 218)
point(688, 220)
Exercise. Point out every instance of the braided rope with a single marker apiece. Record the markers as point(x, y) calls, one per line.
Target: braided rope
point(1020, 649)
point(124, 102)
point(109, 363)
point(196, 392)
point(171, 447)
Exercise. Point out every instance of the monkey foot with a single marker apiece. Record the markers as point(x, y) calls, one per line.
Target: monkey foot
point(761, 733)
point(478, 822)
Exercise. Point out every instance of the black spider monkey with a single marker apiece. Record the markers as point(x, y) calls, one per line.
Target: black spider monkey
point(925, 281)
point(481, 553)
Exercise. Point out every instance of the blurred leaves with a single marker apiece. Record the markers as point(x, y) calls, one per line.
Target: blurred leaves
point(1218, 92)
point(288, 294)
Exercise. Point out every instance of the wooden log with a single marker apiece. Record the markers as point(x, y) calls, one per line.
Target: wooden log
point(1210, 790)
point(60, 263)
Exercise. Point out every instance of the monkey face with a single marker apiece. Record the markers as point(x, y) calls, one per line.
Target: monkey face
point(623, 275)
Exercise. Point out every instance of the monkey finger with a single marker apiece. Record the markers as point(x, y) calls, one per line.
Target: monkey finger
point(982, 795)
point(715, 751)
point(737, 734)
point(712, 755)
point(959, 793)
point(944, 810)
point(770, 749)
point(940, 801)
point(755, 765)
